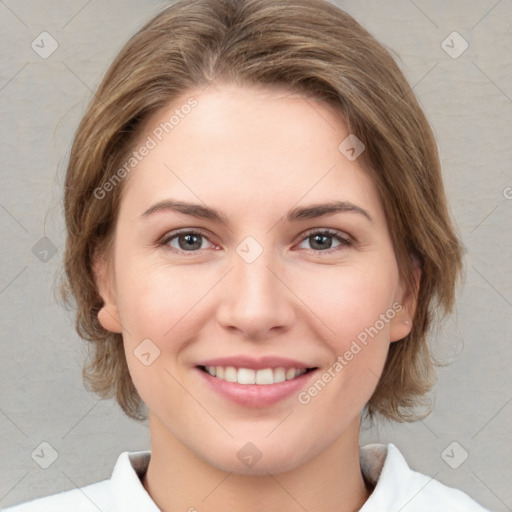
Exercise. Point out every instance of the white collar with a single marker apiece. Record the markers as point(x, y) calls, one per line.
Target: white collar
point(126, 481)
point(129, 493)
point(397, 487)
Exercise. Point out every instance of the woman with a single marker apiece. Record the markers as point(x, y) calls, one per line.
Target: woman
point(257, 241)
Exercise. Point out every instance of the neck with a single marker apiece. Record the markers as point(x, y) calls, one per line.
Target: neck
point(178, 480)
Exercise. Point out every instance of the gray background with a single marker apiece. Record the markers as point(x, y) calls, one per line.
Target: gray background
point(469, 103)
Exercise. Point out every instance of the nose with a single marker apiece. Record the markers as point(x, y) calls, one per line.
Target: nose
point(255, 300)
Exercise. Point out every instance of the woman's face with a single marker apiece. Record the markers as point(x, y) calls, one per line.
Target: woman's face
point(252, 277)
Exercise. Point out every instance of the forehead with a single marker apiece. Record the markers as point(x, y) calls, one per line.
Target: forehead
point(249, 148)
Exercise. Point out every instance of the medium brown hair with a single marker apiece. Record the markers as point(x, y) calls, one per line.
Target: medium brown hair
point(312, 48)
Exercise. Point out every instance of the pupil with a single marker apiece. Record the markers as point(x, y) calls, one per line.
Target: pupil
point(190, 240)
point(317, 238)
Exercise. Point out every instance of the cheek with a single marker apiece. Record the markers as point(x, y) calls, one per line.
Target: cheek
point(158, 308)
point(351, 301)
point(157, 300)
point(356, 304)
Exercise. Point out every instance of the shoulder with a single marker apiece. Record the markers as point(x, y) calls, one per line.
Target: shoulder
point(123, 491)
point(398, 487)
point(86, 499)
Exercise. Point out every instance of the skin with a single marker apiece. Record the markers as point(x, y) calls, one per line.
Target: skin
point(252, 153)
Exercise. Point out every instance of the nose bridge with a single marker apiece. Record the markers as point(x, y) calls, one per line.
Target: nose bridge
point(253, 282)
point(255, 299)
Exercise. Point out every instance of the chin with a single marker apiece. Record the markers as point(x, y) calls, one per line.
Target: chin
point(269, 465)
point(257, 458)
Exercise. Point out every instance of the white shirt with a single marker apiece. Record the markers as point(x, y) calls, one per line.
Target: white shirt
point(397, 488)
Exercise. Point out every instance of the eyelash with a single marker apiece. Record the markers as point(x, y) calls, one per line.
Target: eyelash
point(344, 241)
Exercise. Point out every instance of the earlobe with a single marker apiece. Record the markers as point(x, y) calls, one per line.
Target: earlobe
point(109, 318)
point(401, 324)
point(108, 315)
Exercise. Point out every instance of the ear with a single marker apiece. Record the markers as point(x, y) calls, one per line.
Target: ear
point(405, 307)
point(108, 315)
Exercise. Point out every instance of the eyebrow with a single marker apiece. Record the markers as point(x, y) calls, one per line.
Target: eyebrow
point(294, 215)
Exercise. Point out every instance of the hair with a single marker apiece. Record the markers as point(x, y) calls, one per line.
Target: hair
point(310, 47)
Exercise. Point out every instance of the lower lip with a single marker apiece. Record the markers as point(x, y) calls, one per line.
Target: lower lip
point(256, 395)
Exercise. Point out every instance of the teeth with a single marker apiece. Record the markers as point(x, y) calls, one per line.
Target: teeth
point(290, 373)
point(248, 376)
point(265, 376)
point(230, 374)
point(279, 375)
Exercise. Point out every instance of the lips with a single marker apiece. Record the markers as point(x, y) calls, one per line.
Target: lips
point(255, 382)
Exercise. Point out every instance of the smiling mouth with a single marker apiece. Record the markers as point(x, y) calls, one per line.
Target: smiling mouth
point(264, 376)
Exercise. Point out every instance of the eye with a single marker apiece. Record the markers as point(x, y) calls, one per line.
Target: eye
point(321, 240)
point(184, 241)
point(190, 241)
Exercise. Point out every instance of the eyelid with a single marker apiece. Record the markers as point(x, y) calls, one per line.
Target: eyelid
point(329, 231)
point(346, 241)
point(167, 237)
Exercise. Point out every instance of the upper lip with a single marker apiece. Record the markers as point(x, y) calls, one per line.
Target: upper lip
point(255, 363)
